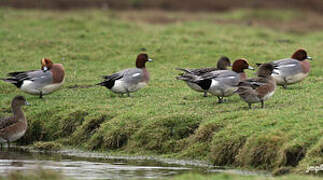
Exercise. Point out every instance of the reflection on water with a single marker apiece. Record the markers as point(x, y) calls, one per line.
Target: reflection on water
point(88, 168)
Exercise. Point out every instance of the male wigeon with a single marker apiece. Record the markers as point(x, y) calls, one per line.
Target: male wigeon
point(292, 70)
point(14, 127)
point(39, 82)
point(222, 83)
point(258, 89)
point(129, 80)
point(222, 64)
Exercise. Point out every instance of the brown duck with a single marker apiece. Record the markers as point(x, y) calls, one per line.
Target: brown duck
point(14, 127)
point(260, 88)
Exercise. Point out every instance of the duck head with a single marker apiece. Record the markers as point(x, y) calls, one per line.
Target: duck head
point(223, 63)
point(265, 70)
point(19, 101)
point(141, 60)
point(46, 64)
point(301, 55)
point(240, 65)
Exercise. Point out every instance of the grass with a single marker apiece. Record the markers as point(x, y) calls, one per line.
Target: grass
point(236, 177)
point(165, 118)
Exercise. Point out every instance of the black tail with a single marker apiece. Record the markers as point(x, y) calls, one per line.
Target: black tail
point(13, 81)
point(204, 84)
point(109, 84)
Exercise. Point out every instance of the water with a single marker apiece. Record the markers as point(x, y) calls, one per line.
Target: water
point(88, 167)
point(85, 165)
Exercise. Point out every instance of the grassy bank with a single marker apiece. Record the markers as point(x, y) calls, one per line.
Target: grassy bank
point(167, 118)
point(236, 177)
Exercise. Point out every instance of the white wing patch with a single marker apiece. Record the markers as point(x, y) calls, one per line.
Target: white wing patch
point(231, 77)
point(287, 66)
point(136, 74)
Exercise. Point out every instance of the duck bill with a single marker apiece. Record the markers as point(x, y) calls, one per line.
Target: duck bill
point(150, 60)
point(251, 68)
point(309, 58)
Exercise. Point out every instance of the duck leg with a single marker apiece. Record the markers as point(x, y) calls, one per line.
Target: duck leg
point(128, 93)
point(8, 142)
point(262, 104)
point(249, 105)
point(285, 85)
point(41, 95)
point(220, 99)
point(205, 94)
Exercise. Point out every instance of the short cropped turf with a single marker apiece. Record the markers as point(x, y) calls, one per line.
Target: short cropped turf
point(167, 118)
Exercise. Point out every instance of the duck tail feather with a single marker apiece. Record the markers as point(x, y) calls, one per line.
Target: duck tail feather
point(183, 69)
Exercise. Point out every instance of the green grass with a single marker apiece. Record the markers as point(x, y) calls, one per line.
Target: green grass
point(165, 118)
point(236, 177)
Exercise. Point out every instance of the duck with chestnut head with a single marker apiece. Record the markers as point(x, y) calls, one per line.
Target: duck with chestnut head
point(258, 89)
point(39, 82)
point(292, 70)
point(14, 127)
point(129, 80)
point(222, 83)
point(222, 64)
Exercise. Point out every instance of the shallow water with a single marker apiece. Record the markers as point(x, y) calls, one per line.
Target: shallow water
point(84, 165)
point(89, 167)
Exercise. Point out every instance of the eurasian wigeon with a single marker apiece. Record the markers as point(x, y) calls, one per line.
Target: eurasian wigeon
point(292, 70)
point(222, 64)
point(39, 82)
point(222, 83)
point(129, 80)
point(14, 127)
point(258, 89)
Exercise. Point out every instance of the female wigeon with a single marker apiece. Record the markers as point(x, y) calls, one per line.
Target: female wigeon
point(222, 64)
point(129, 80)
point(39, 82)
point(14, 127)
point(292, 70)
point(260, 88)
point(222, 83)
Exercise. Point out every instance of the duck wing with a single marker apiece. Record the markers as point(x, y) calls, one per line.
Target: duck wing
point(8, 121)
point(254, 83)
point(198, 71)
point(38, 77)
point(287, 66)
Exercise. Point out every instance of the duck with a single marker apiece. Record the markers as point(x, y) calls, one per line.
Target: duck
point(222, 83)
point(222, 64)
point(260, 88)
point(292, 70)
point(39, 82)
point(14, 127)
point(129, 80)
